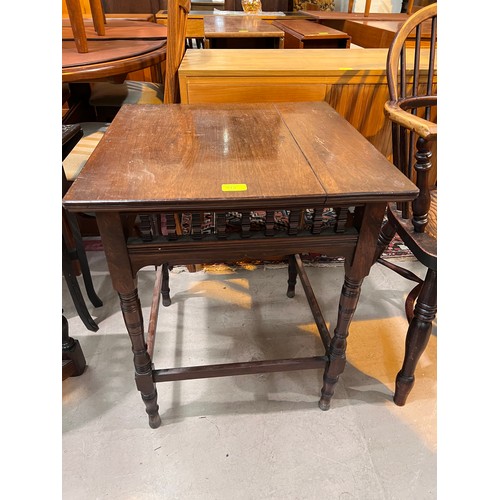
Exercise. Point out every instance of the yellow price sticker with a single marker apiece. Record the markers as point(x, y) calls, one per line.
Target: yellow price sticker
point(322, 33)
point(234, 187)
point(345, 69)
point(243, 31)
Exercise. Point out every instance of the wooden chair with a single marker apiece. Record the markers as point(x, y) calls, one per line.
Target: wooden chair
point(412, 110)
point(74, 259)
point(74, 262)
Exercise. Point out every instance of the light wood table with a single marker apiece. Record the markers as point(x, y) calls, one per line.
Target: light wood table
point(195, 25)
point(159, 162)
point(224, 32)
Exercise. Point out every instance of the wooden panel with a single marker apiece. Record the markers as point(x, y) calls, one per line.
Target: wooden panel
point(368, 36)
point(352, 81)
point(134, 6)
point(219, 90)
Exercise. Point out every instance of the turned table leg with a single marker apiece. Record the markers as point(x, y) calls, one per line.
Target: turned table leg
point(132, 314)
point(368, 220)
point(125, 283)
point(337, 349)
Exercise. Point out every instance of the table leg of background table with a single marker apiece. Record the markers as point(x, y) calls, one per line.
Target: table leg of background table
point(356, 270)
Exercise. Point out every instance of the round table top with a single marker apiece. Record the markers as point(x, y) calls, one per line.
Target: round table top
point(127, 46)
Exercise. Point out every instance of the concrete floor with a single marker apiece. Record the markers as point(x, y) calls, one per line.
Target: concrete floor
point(252, 436)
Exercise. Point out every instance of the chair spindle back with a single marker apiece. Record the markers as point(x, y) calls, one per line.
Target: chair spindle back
point(412, 105)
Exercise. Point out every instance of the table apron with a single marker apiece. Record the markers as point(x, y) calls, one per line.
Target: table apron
point(194, 252)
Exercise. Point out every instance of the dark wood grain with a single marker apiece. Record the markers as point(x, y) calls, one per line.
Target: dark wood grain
point(156, 162)
point(330, 143)
point(301, 33)
point(133, 6)
point(148, 165)
point(110, 59)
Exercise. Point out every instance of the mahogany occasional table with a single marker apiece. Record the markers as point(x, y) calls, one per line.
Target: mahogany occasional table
point(156, 163)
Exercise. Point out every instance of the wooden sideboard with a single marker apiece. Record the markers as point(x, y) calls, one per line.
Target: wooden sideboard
point(352, 81)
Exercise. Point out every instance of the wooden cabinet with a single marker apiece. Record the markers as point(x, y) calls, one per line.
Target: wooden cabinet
point(352, 81)
point(304, 34)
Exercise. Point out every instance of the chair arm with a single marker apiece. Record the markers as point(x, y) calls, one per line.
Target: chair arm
point(424, 128)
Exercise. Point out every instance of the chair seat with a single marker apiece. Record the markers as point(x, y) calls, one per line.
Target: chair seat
point(128, 92)
point(76, 159)
point(422, 245)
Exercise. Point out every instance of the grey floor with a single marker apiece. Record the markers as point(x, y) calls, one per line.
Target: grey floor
point(253, 436)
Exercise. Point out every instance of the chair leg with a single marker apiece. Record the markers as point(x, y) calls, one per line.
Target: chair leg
point(387, 233)
point(73, 359)
point(165, 288)
point(410, 301)
point(292, 276)
point(82, 259)
point(74, 290)
point(417, 336)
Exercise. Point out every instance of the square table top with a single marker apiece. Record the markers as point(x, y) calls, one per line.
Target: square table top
point(310, 29)
point(236, 26)
point(181, 156)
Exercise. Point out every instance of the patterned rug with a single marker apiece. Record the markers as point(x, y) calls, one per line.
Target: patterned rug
point(396, 249)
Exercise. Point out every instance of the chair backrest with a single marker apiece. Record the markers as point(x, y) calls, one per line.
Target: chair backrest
point(178, 11)
point(412, 105)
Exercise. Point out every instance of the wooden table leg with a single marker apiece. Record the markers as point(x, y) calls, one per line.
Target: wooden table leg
point(125, 283)
point(356, 270)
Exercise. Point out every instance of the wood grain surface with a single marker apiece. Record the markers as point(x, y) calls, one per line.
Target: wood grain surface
point(180, 156)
